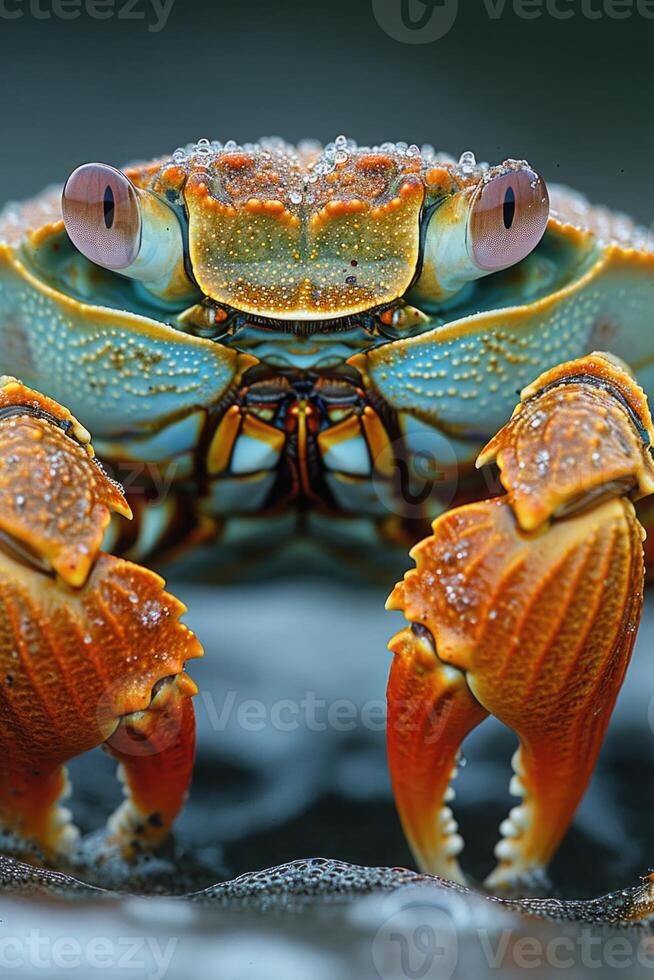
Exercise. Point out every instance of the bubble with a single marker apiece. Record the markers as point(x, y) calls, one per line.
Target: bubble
point(203, 147)
point(467, 161)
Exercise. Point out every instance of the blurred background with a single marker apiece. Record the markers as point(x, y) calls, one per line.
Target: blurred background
point(571, 95)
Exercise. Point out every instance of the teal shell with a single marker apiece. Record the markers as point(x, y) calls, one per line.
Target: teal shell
point(345, 434)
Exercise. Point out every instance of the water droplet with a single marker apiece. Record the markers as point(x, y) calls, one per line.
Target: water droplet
point(203, 147)
point(467, 161)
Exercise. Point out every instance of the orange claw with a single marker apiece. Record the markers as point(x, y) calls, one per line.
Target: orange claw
point(90, 645)
point(532, 601)
point(55, 499)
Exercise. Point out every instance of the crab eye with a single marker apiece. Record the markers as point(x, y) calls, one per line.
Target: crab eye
point(507, 220)
point(102, 215)
point(128, 229)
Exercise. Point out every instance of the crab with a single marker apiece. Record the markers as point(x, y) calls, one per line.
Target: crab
point(271, 341)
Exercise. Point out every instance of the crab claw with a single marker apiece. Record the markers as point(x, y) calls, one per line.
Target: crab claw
point(91, 647)
point(526, 607)
point(431, 709)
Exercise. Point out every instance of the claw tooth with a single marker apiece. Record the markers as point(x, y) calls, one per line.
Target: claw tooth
point(517, 787)
point(508, 828)
point(449, 795)
point(68, 838)
point(453, 845)
point(504, 850)
point(448, 824)
point(520, 817)
point(395, 601)
point(516, 763)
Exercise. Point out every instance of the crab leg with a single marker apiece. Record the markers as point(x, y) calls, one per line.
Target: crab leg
point(29, 805)
point(532, 602)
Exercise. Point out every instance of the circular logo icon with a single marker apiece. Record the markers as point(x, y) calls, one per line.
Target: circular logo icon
point(416, 21)
point(417, 942)
point(416, 477)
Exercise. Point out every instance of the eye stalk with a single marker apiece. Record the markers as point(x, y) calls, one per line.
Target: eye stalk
point(480, 230)
point(127, 230)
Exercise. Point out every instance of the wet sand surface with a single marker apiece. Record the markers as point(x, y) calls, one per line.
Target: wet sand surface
point(291, 765)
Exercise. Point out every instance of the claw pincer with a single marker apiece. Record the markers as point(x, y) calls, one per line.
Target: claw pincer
point(91, 647)
point(526, 607)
